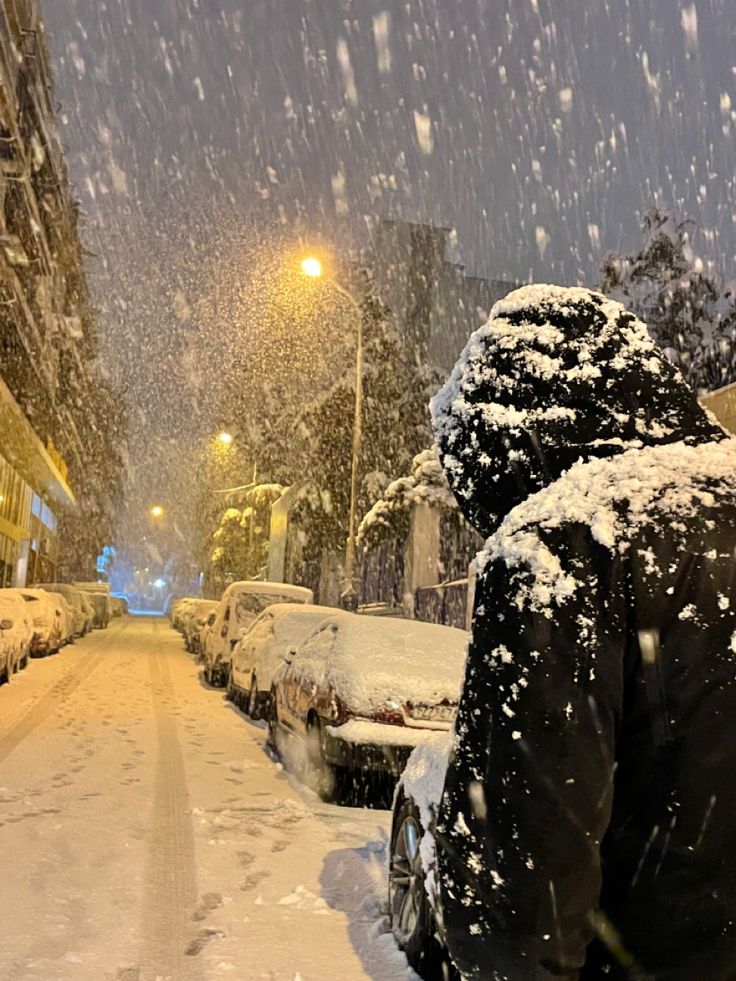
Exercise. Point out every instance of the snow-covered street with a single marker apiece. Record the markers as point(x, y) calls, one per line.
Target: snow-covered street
point(147, 835)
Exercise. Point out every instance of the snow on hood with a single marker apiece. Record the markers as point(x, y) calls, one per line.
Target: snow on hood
point(556, 375)
point(373, 660)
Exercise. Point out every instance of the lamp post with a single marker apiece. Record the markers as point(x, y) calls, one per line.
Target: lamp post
point(311, 266)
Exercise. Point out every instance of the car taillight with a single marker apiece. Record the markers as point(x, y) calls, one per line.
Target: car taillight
point(389, 713)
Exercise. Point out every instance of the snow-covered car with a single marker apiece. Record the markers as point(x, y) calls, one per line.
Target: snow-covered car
point(74, 598)
point(119, 606)
point(16, 633)
point(179, 609)
point(361, 692)
point(101, 605)
point(98, 594)
point(88, 610)
point(415, 915)
point(241, 603)
point(46, 619)
point(66, 616)
point(262, 648)
point(194, 620)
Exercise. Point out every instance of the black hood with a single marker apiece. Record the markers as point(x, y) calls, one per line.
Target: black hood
point(556, 375)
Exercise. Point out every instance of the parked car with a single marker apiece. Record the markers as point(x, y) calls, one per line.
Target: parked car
point(88, 610)
point(179, 609)
point(241, 603)
point(262, 648)
point(16, 633)
point(74, 598)
point(98, 594)
point(361, 692)
point(66, 616)
point(203, 634)
point(415, 915)
point(194, 620)
point(119, 606)
point(46, 619)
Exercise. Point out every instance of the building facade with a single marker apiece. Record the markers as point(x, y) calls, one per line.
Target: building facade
point(433, 302)
point(54, 407)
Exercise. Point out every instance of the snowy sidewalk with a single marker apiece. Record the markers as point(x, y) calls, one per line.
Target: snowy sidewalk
point(146, 834)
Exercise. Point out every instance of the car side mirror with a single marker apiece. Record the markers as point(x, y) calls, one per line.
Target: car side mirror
point(6, 624)
point(288, 657)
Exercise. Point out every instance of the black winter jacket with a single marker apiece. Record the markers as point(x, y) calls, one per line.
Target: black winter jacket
point(587, 828)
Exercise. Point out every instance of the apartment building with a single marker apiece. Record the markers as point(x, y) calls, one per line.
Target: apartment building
point(54, 408)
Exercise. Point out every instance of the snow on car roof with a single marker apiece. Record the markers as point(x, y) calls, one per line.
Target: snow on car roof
point(266, 588)
point(377, 659)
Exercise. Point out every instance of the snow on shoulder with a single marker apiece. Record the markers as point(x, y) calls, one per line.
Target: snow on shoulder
point(614, 497)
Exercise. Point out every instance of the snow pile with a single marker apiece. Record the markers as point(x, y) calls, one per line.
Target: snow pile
point(614, 498)
point(423, 780)
point(426, 484)
point(381, 663)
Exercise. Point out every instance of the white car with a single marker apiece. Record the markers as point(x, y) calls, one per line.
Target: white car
point(241, 603)
point(74, 598)
point(415, 913)
point(46, 617)
point(362, 692)
point(194, 620)
point(66, 617)
point(262, 648)
point(16, 633)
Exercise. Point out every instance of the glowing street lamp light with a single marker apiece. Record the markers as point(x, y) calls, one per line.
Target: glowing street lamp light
point(157, 511)
point(311, 266)
point(225, 438)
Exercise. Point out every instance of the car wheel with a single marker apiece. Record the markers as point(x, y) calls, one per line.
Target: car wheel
point(324, 778)
point(273, 720)
point(252, 708)
point(410, 914)
point(232, 692)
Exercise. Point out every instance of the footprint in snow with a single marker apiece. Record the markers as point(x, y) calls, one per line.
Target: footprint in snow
point(210, 901)
point(201, 940)
point(254, 879)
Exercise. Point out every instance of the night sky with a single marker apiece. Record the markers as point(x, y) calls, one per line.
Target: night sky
point(538, 129)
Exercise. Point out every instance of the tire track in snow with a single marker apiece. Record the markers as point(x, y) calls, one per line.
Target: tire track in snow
point(170, 896)
point(55, 697)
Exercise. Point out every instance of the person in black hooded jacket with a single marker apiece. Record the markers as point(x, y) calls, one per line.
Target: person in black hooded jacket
point(587, 828)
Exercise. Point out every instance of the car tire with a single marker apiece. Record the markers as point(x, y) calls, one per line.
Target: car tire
point(328, 781)
point(273, 721)
point(232, 692)
point(410, 913)
point(252, 704)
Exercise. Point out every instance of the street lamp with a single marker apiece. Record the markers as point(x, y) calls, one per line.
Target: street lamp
point(225, 438)
point(157, 511)
point(311, 266)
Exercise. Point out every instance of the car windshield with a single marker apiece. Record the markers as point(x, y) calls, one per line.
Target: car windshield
point(252, 604)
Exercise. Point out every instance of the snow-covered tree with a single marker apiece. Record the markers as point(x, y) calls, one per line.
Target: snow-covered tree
point(395, 423)
point(689, 313)
point(229, 555)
